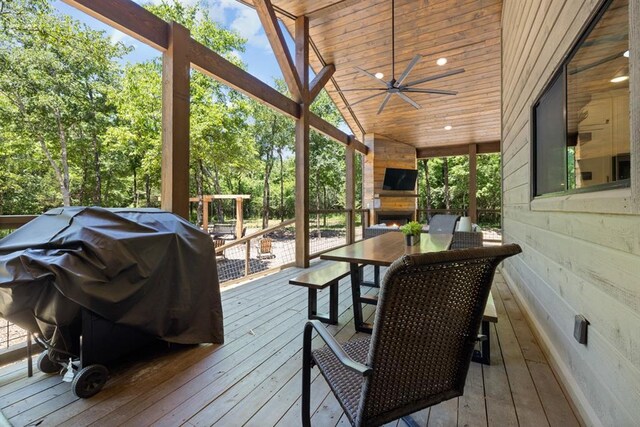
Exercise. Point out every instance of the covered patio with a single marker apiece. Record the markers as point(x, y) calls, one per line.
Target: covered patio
point(254, 378)
point(580, 248)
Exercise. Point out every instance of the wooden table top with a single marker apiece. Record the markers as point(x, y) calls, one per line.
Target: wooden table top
point(382, 250)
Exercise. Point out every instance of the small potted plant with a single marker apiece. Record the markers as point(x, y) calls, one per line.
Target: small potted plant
point(412, 232)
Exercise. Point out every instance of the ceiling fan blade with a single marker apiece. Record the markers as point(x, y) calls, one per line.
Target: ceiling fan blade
point(435, 91)
point(407, 70)
point(436, 77)
point(361, 89)
point(366, 73)
point(409, 101)
point(384, 103)
point(365, 99)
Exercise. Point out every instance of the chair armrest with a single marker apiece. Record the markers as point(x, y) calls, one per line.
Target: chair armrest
point(334, 346)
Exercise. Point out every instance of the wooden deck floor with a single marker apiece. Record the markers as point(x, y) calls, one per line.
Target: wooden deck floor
point(254, 378)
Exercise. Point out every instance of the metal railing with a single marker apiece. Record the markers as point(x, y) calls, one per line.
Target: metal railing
point(11, 334)
point(259, 253)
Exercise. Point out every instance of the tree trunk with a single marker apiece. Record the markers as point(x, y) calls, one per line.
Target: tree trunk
point(135, 187)
point(199, 175)
point(324, 197)
point(64, 189)
point(147, 189)
point(97, 196)
point(266, 192)
point(445, 177)
point(218, 190)
point(427, 187)
point(281, 186)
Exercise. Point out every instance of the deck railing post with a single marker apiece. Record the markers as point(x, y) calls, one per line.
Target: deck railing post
point(247, 259)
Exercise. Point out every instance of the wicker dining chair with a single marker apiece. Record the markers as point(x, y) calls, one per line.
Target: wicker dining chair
point(426, 326)
point(466, 239)
point(443, 224)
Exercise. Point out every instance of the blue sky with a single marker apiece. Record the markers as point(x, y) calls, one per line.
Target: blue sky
point(229, 14)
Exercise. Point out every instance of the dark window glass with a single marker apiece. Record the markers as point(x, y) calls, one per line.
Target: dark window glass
point(550, 140)
point(588, 146)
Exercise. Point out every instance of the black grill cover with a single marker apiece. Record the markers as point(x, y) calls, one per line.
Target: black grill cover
point(144, 268)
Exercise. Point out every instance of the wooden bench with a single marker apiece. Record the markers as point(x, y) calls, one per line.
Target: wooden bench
point(326, 277)
point(490, 316)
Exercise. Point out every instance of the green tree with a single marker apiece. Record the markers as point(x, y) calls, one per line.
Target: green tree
point(55, 77)
point(219, 147)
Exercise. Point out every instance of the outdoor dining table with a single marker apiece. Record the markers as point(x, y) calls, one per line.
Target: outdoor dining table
point(382, 251)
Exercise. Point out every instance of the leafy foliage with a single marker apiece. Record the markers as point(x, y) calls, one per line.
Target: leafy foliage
point(79, 126)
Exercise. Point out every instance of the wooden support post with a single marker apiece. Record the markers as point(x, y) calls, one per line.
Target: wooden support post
point(247, 258)
point(302, 144)
point(175, 122)
point(205, 214)
point(239, 218)
point(473, 183)
point(350, 193)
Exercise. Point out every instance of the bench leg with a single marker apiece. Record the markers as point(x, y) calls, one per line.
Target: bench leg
point(376, 277)
point(333, 303)
point(332, 319)
point(484, 355)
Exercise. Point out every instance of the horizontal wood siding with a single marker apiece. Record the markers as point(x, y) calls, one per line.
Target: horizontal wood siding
point(581, 253)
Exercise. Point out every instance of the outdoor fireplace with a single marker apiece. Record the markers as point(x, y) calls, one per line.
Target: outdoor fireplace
point(394, 218)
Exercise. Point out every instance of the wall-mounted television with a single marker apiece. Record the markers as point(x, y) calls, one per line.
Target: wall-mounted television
point(400, 179)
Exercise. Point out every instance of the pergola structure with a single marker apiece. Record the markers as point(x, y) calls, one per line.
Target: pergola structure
point(207, 198)
point(326, 39)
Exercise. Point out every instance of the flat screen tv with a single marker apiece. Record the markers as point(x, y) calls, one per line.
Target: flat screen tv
point(400, 179)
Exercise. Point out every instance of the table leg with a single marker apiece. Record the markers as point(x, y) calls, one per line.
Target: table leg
point(356, 280)
point(484, 355)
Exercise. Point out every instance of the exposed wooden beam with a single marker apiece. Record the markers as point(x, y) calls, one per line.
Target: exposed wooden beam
point(321, 80)
point(473, 182)
point(302, 145)
point(128, 17)
point(141, 24)
point(332, 8)
point(457, 150)
point(279, 45)
point(175, 122)
point(214, 65)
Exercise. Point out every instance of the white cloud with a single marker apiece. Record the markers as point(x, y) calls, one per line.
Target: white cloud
point(244, 19)
point(248, 25)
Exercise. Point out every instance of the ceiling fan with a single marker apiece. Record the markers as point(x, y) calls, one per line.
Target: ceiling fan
point(398, 86)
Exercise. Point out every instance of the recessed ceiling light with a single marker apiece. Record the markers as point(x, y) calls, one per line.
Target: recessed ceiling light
point(626, 54)
point(619, 79)
point(448, 127)
point(379, 75)
point(441, 61)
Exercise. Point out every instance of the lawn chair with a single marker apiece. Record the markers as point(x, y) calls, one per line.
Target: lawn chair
point(264, 246)
point(426, 326)
point(443, 224)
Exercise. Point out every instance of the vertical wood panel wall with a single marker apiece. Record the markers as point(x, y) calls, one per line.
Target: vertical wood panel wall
point(386, 153)
point(581, 252)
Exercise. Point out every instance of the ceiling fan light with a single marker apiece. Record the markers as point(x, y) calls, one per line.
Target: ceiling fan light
point(379, 75)
point(626, 54)
point(619, 79)
point(441, 61)
point(448, 127)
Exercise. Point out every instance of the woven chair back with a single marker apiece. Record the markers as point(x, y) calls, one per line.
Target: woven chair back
point(429, 311)
point(443, 224)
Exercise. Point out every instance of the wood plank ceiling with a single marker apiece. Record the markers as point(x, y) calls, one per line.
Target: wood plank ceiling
point(353, 34)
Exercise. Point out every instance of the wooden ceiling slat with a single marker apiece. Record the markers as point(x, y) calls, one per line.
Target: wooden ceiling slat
point(352, 33)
